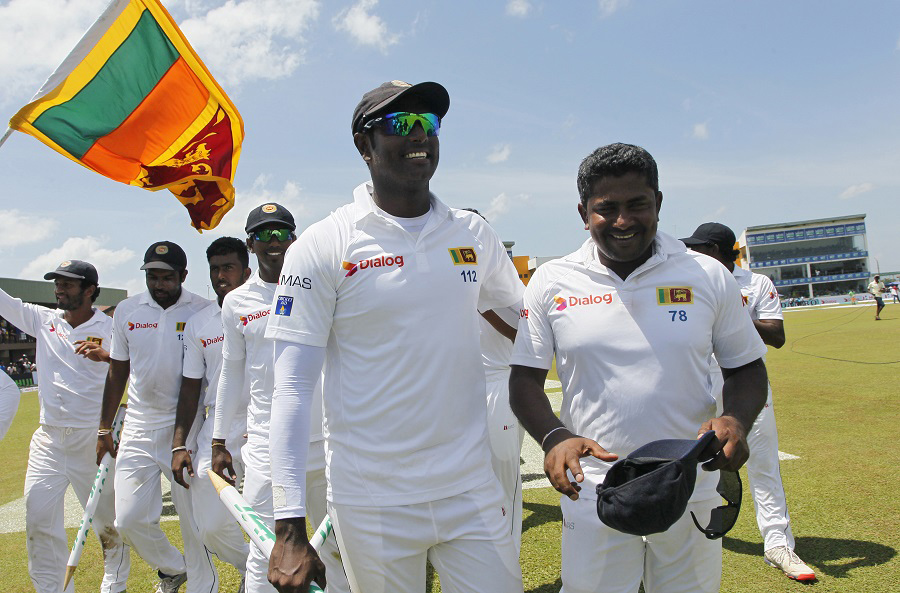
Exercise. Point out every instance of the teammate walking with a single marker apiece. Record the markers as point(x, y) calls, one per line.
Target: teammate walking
point(147, 352)
point(387, 289)
point(249, 356)
point(631, 317)
point(72, 362)
point(229, 268)
point(762, 303)
point(876, 289)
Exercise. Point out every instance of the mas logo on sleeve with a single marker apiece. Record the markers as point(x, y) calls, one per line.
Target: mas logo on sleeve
point(283, 305)
point(674, 295)
point(463, 256)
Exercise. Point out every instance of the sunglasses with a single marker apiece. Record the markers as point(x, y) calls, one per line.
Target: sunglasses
point(266, 235)
point(723, 518)
point(402, 122)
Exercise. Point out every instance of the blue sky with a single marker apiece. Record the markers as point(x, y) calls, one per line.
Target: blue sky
point(756, 113)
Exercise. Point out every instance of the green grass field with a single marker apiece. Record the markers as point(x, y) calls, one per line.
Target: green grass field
point(837, 409)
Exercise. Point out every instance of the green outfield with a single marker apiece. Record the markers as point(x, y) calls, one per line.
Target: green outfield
point(837, 411)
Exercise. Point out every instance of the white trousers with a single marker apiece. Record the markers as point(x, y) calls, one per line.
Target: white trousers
point(506, 437)
point(144, 456)
point(219, 532)
point(597, 558)
point(258, 494)
point(59, 457)
point(764, 474)
point(466, 538)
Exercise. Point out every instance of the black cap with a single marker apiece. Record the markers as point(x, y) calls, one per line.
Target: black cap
point(711, 232)
point(165, 255)
point(271, 212)
point(648, 491)
point(74, 268)
point(378, 100)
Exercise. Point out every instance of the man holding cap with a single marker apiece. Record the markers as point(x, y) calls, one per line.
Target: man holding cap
point(147, 352)
point(631, 317)
point(763, 468)
point(387, 290)
point(72, 361)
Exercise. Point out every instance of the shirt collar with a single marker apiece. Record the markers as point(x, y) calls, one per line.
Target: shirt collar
point(663, 246)
point(184, 297)
point(364, 206)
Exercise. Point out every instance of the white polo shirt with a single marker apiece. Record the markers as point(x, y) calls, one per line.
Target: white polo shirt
point(70, 386)
point(151, 338)
point(203, 341)
point(244, 314)
point(632, 355)
point(759, 294)
point(496, 349)
point(398, 315)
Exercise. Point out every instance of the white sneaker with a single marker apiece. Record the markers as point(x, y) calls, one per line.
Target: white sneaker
point(784, 558)
point(170, 584)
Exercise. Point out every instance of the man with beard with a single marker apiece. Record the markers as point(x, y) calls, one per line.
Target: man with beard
point(249, 356)
point(72, 364)
point(146, 354)
point(229, 268)
point(631, 318)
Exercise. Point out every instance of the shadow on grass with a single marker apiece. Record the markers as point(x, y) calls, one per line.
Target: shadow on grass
point(548, 588)
point(834, 557)
point(540, 514)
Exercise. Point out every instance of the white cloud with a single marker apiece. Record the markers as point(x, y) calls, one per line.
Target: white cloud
point(259, 193)
point(365, 28)
point(701, 131)
point(499, 154)
point(500, 205)
point(35, 36)
point(245, 40)
point(519, 8)
point(85, 248)
point(20, 228)
point(610, 7)
point(856, 190)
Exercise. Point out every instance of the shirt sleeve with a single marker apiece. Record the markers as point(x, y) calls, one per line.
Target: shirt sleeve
point(534, 344)
point(9, 402)
point(24, 316)
point(768, 305)
point(501, 286)
point(228, 396)
point(234, 346)
point(735, 340)
point(303, 307)
point(119, 350)
point(194, 366)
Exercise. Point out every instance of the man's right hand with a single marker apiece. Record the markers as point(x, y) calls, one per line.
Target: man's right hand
point(221, 461)
point(294, 563)
point(105, 445)
point(563, 452)
point(181, 461)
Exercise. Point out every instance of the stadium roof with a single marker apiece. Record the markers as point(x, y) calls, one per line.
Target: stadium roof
point(782, 225)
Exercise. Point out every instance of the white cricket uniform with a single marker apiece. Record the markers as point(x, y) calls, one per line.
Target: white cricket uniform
point(633, 359)
point(9, 402)
point(63, 448)
point(244, 313)
point(504, 432)
point(151, 339)
point(219, 532)
point(405, 428)
point(763, 468)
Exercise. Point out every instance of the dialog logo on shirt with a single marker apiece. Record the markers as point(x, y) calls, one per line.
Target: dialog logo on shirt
point(745, 300)
point(134, 326)
point(380, 261)
point(561, 302)
point(463, 256)
point(674, 295)
point(211, 341)
point(576, 301)
point(254, 316)
point(283, 305)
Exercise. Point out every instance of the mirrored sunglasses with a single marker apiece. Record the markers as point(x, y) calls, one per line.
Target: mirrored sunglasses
point(266, 235)
point(723, 518)
point(402, 122)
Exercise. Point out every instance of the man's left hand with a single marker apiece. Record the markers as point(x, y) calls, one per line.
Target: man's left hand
point(91, 351)
point(732, 442)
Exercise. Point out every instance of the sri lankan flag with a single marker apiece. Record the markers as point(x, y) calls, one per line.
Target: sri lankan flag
point(674, 295)
point(134, 103)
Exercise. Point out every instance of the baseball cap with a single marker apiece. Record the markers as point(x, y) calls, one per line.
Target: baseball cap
point(165, 255)
point(379, 99)
point(711, 232)
point(266, 213)
point(74, 268)
point(648, 491)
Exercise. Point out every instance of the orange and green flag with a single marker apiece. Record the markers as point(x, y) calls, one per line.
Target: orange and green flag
point(134, 103)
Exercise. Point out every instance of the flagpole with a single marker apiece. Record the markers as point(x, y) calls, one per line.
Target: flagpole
point(9, 132)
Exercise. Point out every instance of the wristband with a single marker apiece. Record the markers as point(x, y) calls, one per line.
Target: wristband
point(177, 449)
point(544, 440)
point(215, 444)
point(102, 432)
